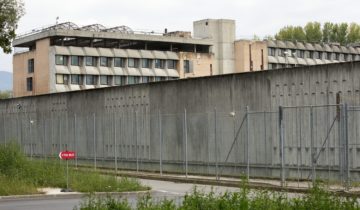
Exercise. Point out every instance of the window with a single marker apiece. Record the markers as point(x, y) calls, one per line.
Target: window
point(62, 79)
point(30, 65)
point(133, 79)
point(354, 57)
point(348, 57)
point(105, 61)
point(187, 68)
point(91, 80)
point(29, 84)
point(145, 79)
point(75, 79)
point(119, 62)
point(311, 54)
point(133, 63)
point(104, 80)
point(271, 66)
point(337, 56)
point(90, 61)
point(157, 79)
point(61, 60)
point(120, 80)
point(281, 52)
point(75, 60)
point(300, 53)
point(172, 64)
point(159, 63)
point(146, 63)
point(329, 55)
point(271, 51)
point(317, 55)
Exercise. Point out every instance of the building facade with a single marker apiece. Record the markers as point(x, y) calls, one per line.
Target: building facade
point(273, 54)
point(66, 57)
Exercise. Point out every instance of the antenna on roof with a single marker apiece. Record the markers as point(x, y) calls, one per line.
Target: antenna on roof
point(57, 20)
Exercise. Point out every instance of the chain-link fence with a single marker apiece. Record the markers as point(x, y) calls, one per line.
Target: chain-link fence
point(295, 144)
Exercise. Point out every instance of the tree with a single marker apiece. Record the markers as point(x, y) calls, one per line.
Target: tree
point(10, 13)
point(313, 32)
point(327, 32)
point(5, 94)
point(353, 33)
point(342, 33)
point(291, 33)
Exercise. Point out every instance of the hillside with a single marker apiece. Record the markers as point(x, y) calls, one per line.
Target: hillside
point(5, 80)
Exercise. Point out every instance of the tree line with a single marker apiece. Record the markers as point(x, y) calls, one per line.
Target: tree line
point(342, 33)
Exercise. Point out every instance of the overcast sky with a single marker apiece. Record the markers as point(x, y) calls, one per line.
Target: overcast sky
point(260, 17)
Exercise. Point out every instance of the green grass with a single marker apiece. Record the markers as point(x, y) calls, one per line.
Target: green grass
point(19, 175)
point(316, 199)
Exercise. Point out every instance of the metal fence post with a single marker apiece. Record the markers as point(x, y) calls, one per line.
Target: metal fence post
point(136, 142)
point(216, 149)
point(247, 145)
point(115, 144)
point(161, 142)
point(94, 137)
point(186, 142)
point(281, 149)
point(312, 149)
point(75, 142)
point(346, 138)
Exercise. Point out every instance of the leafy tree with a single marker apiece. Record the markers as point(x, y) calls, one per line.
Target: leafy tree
point(10, 13)
point(5, 94)
point(313, 32)
point(327, 32)
point(299, 34)
point(353, 33)
point(342, 33)
point(291, 33)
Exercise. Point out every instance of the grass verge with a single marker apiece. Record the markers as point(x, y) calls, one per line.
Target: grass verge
point(244, 199)
point(19, 175)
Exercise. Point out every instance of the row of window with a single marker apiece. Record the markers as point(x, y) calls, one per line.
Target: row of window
point(312, 54)
point(77, 79)
point(114, 62)
point(281, 65)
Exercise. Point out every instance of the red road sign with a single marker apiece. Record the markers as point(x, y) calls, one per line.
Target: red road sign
point(66, 155)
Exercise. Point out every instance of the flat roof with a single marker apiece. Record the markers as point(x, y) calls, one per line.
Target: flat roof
point(27, 40)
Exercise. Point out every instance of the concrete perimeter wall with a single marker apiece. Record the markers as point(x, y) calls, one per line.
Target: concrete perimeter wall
point(199, 120)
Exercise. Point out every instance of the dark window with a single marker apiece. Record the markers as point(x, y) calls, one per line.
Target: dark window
point(90, 79)
point(120, 80)
point(133, 63)
point(145, 79)
point(75, 79)
point(119, 62)
point(187, 68)
point(159, 63)
point(337, 56)
point(75, 60)
point(29, 84)
point(157, 79)
point(104, 80)
point(172, 64)
point(105, 61)
point(271, 51)
point(61, 60)
point(90, 61)
point(271, 66)
point(281, 52)
point(329, 57)
point(30, 65)
point(311, 54)
point(300, 53)
point(146, 63)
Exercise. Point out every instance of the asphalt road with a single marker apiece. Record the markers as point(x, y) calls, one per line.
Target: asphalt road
point(160, 190)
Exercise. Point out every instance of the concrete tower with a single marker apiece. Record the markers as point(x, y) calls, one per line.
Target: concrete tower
point(222, 32)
